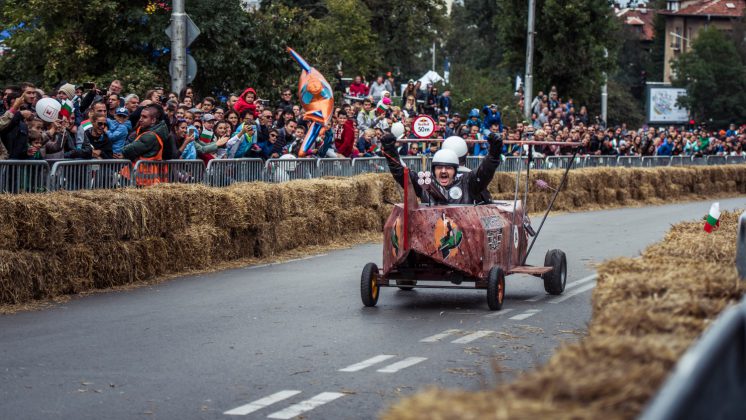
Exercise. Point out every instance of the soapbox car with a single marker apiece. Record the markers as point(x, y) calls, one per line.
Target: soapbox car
point(448, 246)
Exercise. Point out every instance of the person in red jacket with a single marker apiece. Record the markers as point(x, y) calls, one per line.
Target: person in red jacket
point(246, 101)
point(358, 88)
point(344, 135)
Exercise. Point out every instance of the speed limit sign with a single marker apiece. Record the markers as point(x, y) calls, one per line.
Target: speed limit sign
point(423, 126)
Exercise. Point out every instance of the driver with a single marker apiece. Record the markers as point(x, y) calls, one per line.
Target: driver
point(447, 188)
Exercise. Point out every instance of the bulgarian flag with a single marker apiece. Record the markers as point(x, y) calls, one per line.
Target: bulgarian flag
point(713, 218)
point(205, 136)
point(66, 109)
point(86, 125)
point(383, 105)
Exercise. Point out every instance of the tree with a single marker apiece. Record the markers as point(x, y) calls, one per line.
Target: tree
point(343, 36)
point(406, 30)
point(570, 39)
point(56, 41)
point(472, 34)
point(472, 88)
point(714, 75)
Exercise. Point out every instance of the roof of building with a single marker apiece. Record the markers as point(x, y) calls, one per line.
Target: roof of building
point(639, 17)
point(711, 8)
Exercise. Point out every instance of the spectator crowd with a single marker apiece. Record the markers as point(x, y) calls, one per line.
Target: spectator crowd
point(112, 123)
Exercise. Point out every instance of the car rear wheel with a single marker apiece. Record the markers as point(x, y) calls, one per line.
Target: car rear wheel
point(495, 288)
point(555, 280)
point(369, 288)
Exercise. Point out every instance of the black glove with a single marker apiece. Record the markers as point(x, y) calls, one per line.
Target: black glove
point(388, 141)
point(496, 144)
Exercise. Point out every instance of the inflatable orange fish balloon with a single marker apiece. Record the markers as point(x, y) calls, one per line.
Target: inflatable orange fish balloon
point(316, 99)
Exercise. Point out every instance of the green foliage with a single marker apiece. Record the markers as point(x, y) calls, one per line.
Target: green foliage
point(472, 88)
point(406, 30)
point(623, 107)
point(343, 36)
point(714, 75)
point(472, 34)
point(569, 44)
point(62, 41)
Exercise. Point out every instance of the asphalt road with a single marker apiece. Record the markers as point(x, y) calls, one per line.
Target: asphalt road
point(293, 339)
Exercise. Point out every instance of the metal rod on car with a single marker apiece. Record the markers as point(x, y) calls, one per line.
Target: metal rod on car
point(551, 204)
point(515, 203)
point(525, 194)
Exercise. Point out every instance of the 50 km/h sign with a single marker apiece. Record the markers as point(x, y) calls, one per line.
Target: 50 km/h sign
point(423, 126)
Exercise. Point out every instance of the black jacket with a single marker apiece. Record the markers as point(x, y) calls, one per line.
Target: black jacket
point(15, 137)
point(467, 188)
point(102, 143)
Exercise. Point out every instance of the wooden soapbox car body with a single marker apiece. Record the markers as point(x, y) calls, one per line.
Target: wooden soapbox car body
point(458, 247)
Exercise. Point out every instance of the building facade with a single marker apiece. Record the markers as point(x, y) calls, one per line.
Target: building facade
point(684, 20)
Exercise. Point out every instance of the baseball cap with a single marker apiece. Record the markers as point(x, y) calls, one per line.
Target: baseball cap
point(208, 117)
point(122, 111)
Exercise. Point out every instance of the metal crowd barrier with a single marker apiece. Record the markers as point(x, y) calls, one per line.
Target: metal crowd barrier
point(224, 172)
point(376, 165)
point(600, 160)
point(281, 170)
point(147, 172)
point(17, 176)
point(655, 161)
point(93, 174)
point(715, 160)
point(629, 161)
point(417, 163)
point(23, 176)
point(334, 167)
point(735, 160)
point(561, 162)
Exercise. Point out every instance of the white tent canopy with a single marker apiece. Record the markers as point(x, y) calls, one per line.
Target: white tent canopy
point(430, 77)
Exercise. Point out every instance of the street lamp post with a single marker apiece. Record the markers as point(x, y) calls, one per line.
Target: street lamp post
point(528, 90)
point(178, 46)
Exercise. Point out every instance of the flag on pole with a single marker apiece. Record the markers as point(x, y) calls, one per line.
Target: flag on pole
point(712, 222)
point(66, 109)
point(86, 125)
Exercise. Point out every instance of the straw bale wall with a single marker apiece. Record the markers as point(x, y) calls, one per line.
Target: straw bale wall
point(646, 312)
point(65, 243)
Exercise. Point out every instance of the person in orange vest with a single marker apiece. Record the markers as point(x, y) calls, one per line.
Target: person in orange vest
point(151, 133)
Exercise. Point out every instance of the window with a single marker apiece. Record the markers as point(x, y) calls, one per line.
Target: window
point(673, 5)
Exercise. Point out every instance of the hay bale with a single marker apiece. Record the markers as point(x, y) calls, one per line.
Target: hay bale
point(8, 234)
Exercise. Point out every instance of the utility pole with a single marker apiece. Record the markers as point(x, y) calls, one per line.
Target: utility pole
point(433, 55)
point(529, 84)
point(178, 47)
point(604, 94)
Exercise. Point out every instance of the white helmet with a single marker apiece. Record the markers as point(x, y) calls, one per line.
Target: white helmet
point(444, 157)
point(48, 109)
point(397, 129)
point(457, 144)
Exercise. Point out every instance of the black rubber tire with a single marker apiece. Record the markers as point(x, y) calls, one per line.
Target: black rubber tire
point(495, 288)
point(555, 280)
point(405, 284)
point(369, 289)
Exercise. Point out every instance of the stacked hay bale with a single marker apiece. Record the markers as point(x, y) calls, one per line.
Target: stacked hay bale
point(63, 243)
point(646, 312)
point(614, 187)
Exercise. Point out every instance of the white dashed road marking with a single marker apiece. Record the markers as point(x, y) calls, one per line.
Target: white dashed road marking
point(395, 367)
point(499, 313)
point(471, 337)
point(529, 313)
point(575, 292)
point(261, 403)
point(571, 285)
point(438, 337)
point(367, 363)
point(307, 405)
